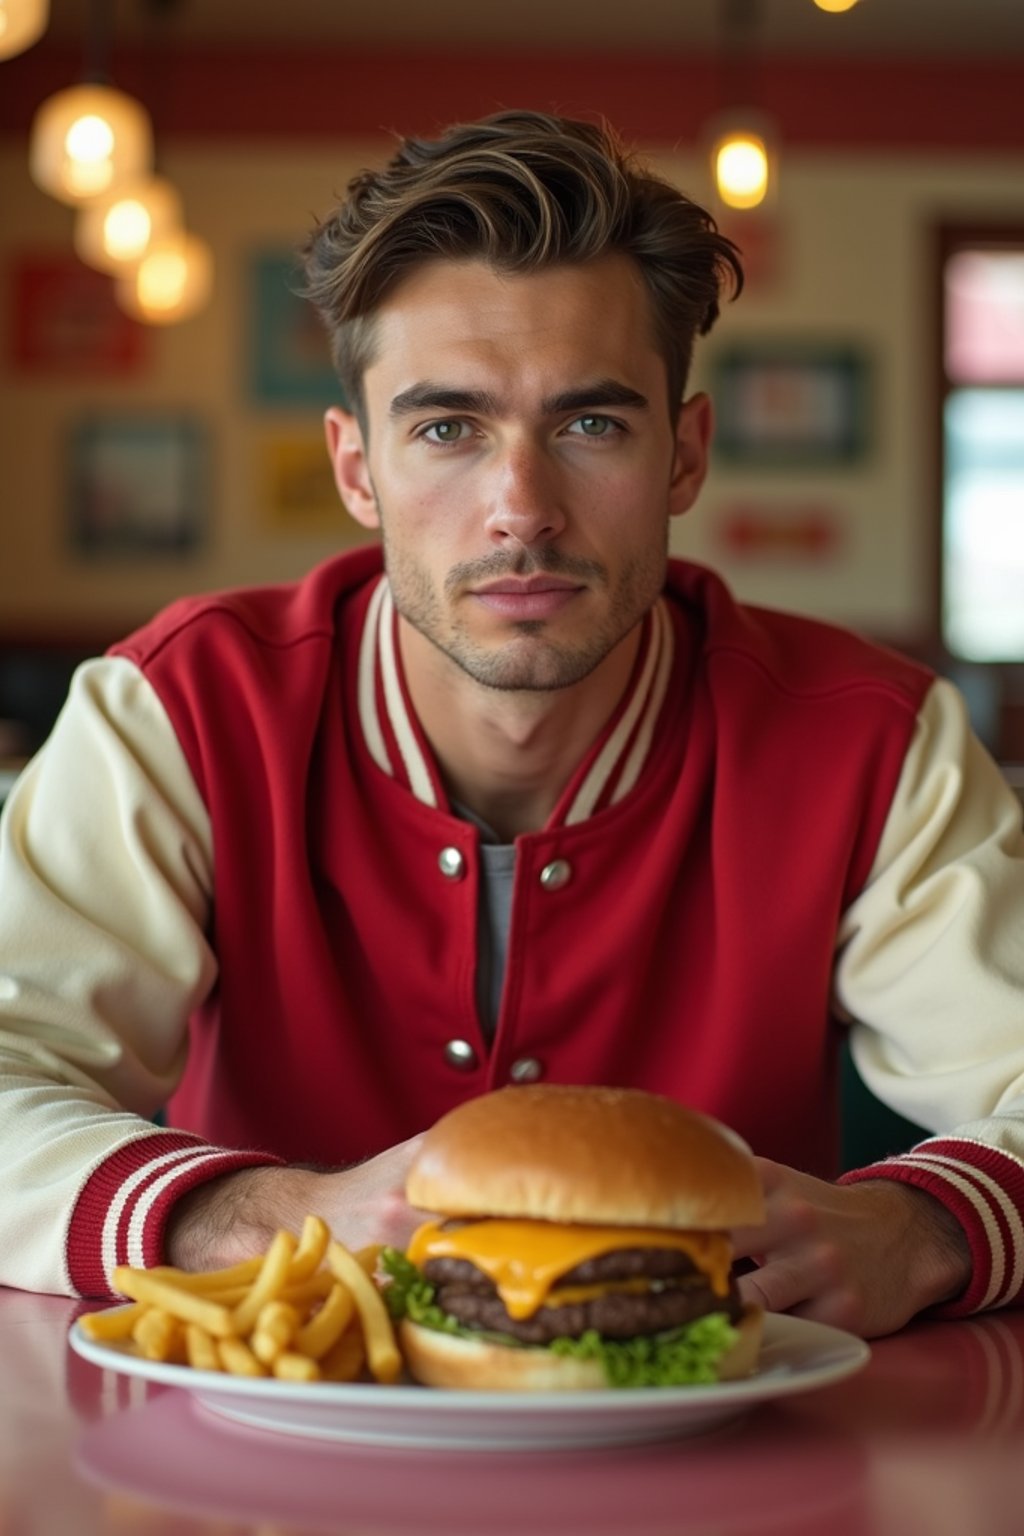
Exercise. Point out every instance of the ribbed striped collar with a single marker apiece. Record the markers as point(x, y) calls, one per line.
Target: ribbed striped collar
point(608, 771)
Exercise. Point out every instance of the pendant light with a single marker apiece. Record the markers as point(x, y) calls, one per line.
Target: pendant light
point(114, 232)
point(22, 23)
point(89, 138)
point(742, 158)
point(172, 281)
point(742, 139)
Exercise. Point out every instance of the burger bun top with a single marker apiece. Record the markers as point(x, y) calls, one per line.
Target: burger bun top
point(608, 1156)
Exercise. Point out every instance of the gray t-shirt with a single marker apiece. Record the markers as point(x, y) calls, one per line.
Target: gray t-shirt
point(494, 913)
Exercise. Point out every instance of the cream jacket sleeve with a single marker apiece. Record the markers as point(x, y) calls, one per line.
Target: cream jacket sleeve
point(930, 974)
point(106, 874)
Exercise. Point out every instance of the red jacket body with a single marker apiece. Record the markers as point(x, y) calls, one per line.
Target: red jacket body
point(690, 950)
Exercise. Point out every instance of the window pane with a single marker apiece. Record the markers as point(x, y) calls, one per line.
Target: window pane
point(983, 553)
point(984, 300)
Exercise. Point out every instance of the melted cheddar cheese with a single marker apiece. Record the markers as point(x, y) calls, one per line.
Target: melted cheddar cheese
point(525, 1259)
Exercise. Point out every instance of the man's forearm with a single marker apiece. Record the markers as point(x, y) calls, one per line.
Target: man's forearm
point(236, 1215)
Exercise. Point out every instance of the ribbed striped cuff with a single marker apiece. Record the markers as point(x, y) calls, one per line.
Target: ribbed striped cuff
point(984, 1189)
point(120, 1214)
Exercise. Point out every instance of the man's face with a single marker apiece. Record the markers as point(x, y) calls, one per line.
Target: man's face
point(522, 463)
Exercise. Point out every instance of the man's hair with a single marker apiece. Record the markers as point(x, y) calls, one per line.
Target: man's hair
point(520, 191)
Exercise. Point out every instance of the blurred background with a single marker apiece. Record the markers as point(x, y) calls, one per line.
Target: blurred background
point(869, 383)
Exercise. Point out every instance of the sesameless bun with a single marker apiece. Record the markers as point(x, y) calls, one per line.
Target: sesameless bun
point(616, 1156)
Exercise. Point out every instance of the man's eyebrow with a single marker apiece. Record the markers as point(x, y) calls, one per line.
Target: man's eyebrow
point(429, 396)
point(602, 392)
point(441, 397)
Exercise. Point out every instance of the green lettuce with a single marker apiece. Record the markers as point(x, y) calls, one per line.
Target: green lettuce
point(686, 1356)
point(409, 1295)
point(682, 1357)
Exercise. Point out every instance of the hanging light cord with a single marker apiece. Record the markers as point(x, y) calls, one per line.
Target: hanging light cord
point(97, 43)
point(739, 21)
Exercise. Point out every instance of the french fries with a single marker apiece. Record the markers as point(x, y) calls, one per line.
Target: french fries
point(382, 1355)
point(308, 1310)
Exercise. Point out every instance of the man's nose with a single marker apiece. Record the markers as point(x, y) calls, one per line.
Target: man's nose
point(526, 496)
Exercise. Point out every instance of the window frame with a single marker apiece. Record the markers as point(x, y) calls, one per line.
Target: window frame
point(951, 238)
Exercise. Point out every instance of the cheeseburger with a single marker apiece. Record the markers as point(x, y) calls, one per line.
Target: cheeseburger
point(580, 1241)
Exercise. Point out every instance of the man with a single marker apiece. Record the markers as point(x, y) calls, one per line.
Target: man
point(311, 864)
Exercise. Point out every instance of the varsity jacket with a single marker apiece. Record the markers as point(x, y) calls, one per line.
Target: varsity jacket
point(288, 910)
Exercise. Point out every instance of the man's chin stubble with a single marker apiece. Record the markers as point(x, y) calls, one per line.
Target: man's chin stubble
point(550, 672)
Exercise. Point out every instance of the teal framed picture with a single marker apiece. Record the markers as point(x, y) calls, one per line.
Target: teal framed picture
point(290, 357)
point(790, 405)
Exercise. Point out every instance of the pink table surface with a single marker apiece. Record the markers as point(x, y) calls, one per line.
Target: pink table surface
point(928, 1440)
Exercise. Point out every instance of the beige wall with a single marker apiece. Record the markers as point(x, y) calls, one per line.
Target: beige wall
point(858, 260)
point(853, 240)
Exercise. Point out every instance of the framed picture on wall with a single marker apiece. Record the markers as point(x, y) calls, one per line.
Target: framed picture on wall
point(290, 357)
point(790, 404)
point(65, 323)
point(137, 485)
point(298, 493)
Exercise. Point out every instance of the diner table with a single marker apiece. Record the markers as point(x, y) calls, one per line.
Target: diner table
point(927, 1439)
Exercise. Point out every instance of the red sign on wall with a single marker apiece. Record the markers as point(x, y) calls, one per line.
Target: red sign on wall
point(65, 320)
point(810, 533)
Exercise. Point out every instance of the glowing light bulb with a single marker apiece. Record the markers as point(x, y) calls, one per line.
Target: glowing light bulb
point(171, 282)
point(89, 138)
point(126, 229)
point(162, 279)
point(88, 147)
point(114, 232)
point(741, 170)
point(835, 6)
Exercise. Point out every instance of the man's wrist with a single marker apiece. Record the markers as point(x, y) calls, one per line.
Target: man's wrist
point(235, 1216)
point(937, 1259)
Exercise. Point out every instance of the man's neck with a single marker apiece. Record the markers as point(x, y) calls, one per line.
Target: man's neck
point(508, 755)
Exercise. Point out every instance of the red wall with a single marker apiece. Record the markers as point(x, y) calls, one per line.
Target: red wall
point(933, 105)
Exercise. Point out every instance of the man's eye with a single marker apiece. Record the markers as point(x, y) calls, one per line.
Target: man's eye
point(444, 431)
point(594, 426)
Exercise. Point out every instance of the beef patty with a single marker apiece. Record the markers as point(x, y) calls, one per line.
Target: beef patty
point(682, 1294)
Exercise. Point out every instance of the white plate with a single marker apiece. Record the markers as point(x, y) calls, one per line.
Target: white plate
point(797, 1356)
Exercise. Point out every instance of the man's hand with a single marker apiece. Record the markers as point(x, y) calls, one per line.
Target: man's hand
point(864, 1257)
point(236, 1215)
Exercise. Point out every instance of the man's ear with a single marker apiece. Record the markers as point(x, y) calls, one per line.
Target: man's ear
point(693, 444)
point(351, 472)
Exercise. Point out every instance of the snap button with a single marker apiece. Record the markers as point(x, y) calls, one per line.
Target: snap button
point(556, 874)
point(461, 1055)
point(451, 863)
point(526, 1070)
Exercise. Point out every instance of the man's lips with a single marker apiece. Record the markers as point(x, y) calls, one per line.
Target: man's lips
point(527, 597)
point(517, 585)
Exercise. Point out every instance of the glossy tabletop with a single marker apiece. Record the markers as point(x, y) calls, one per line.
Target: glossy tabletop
point(927, 1440)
